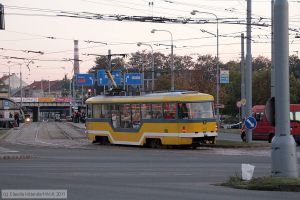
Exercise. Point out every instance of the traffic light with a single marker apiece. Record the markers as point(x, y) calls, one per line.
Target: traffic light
point(2, 24)
point(89, 92)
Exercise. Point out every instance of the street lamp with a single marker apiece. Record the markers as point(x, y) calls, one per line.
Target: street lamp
point(21, 91)
point(152, 62)
point(172, 57)
point(9, 88)
point(73, 96)
point(194, 12)
point(21, 87)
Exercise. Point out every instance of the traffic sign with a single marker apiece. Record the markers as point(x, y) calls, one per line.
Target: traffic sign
point(6, 104)
point(84, 79)
point(250, 122)
point(239, 104)
point(243, 102)
point(224, 76)
point(133, 79)
point(104, 80)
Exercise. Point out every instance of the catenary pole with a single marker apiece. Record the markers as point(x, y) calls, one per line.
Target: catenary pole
point(248, 71)
point(243, 73)
point(284, 158)
point(272, 52)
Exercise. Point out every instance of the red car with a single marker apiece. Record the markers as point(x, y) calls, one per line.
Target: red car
point(264, 129)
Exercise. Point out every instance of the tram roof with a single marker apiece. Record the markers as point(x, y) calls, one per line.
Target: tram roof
point(183, 96)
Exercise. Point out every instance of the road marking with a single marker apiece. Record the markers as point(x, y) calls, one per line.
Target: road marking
point(5, 150)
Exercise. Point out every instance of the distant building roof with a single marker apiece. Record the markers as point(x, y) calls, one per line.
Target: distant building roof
point(5, 77)
point(56, 85)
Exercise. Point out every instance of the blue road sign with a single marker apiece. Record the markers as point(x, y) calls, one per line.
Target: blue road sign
point(104, 80)
point(250, 122)
point(133, 79)
point(84, 79)
point(6, 104)
point(117, 75)
point(224, 76)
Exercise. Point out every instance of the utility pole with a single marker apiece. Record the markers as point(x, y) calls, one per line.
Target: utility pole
point(9, 87)
point(284, 157)
point(75, 67)
point(243, 73)
point(248, 74)
point(108, 69)
point(272, 52)
point(70, 94)
point(2, 24)
point(49, 90)
point(21, 87)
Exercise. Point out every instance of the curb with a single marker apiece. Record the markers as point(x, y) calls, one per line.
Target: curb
point(15, 156)
point(236, 146)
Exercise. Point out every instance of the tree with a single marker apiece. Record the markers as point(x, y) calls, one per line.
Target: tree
point(261, 85)
point(261, 63)
point(231, 93)
point(294, 62)
point(294, 89)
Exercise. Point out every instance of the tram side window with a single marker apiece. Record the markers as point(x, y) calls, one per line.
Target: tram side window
point(169, 110)
point(146, 111)
point(201, 110)
point(157, 111)
point(96, 110)
point(126, 120)
point(136, 115)
point(89, 111)
point(105, 111)
point(183, 110)
point(115, 115)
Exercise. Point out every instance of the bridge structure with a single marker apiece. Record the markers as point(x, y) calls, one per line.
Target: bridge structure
point(42, 108)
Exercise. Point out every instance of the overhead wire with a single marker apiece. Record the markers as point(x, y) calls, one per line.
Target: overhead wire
point(58, 11)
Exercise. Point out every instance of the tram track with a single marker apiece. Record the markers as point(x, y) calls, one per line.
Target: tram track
point(65, 130)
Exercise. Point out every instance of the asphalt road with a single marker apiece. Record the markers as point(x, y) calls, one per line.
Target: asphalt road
point(92, 171)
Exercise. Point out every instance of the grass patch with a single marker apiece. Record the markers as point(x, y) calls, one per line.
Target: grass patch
point(265, 183)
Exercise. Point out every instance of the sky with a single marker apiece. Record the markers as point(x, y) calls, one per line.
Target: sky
point(36, 25)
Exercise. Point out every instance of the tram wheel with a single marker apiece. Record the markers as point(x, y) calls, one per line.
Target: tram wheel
point(155, 143)
point(102, 140)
